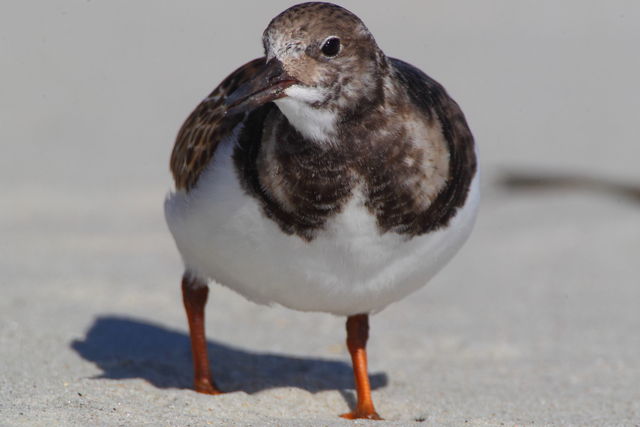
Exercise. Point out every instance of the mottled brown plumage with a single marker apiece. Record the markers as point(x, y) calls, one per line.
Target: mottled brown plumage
point(346, 193)
point(320, 179)
point(205, 127)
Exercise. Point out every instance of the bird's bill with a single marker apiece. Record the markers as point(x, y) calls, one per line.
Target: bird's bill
point(268, 84)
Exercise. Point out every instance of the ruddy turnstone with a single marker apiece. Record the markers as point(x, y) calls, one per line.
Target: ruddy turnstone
point(324, 176)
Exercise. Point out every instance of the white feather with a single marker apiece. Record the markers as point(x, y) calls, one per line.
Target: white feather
point(347, 269)
point(313, 123)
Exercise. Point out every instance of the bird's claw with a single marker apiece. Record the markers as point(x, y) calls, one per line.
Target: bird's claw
point(357, 415)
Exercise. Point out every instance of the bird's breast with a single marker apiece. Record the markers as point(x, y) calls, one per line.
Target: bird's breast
point(396, 171)
point(348, 267)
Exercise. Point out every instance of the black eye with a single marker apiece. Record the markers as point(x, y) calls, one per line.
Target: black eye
point(331, 46)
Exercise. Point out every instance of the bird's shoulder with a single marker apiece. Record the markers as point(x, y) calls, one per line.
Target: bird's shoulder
point(431, 98)
point(205, 127)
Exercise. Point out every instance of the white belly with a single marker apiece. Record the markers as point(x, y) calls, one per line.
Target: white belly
point(347, 269)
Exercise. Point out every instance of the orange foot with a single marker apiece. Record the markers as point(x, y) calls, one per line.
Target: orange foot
point(206, 387)
point(355, 415)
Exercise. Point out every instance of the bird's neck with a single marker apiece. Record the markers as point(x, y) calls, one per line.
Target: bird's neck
point(326, 124)
point(318, 125)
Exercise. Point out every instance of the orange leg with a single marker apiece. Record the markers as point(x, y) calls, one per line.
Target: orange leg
point(194, 296)
point(357, 335)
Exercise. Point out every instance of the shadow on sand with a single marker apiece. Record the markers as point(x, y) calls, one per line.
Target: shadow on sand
point(128, 348)
point(549, 181)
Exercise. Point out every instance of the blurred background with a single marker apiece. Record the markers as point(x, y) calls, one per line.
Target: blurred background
point(536, 321)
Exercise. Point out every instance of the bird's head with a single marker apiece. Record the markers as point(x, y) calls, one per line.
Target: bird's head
point(322, 65)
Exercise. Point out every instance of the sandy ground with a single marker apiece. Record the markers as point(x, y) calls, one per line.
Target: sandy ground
point(536, 322)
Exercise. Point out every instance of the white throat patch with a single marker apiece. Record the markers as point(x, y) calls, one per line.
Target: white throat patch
point(314, 124)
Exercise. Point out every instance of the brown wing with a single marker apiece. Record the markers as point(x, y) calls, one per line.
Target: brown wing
point(431, 98)
point(207, 125)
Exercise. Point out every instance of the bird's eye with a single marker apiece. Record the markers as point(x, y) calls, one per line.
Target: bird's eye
point(331, 46)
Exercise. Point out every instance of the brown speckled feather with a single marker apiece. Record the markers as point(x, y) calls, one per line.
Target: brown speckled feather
point(432, 99)
point(207, 125)
point(300, 184)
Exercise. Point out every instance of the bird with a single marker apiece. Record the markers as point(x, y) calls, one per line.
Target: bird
point(323, 176)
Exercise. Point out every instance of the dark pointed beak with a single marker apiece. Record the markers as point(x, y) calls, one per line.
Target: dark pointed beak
point(268, 84)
